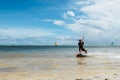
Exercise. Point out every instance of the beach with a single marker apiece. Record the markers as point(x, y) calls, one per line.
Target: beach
point(59, 64)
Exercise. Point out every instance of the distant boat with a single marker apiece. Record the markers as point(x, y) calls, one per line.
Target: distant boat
point(56, 44)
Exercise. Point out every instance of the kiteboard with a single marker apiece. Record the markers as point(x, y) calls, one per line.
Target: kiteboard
point(80, 55)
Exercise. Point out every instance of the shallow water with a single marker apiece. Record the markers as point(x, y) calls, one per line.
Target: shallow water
point(57, 62)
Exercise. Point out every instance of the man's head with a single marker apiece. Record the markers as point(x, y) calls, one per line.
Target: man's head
point(80, 40)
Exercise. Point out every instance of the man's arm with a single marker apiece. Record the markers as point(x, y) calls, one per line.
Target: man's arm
point(83, 38)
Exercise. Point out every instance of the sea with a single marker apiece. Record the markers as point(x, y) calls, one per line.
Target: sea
point(55, 52)
point(39, 58)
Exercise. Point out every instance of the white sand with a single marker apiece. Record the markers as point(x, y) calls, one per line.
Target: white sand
point(87, 68)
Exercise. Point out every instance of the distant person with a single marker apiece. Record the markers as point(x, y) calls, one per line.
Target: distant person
point(56, 44)
point(81, 46)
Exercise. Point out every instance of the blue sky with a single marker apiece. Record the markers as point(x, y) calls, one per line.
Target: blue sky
point(43, 22)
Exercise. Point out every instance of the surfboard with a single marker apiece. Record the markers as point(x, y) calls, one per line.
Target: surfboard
point(80, 55)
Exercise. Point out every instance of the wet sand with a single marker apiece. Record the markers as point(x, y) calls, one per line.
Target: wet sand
point(93, 67)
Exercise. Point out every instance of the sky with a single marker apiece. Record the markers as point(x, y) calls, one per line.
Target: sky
point(44, 22)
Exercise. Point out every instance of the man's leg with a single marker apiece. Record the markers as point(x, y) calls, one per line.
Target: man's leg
point(79, 50)
point(84, 50)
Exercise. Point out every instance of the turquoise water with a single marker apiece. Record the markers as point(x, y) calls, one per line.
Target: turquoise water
point(37, 51)
point(54, 52)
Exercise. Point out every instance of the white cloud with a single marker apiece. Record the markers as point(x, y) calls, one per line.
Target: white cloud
point(62, 37)
point(65, 16)
point(58, 22)
point(70, 13)
point(84, 2)
point(98, 19)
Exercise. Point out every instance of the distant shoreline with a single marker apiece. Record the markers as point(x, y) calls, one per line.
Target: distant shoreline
point(55, 46)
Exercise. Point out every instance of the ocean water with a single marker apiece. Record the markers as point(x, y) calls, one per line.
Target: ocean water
point(54, 52)
point(37, 51)
point(44, 58)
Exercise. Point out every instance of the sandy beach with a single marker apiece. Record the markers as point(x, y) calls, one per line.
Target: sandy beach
point(92, 67)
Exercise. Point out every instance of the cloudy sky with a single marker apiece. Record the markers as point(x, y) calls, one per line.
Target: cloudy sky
point(43, 22)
